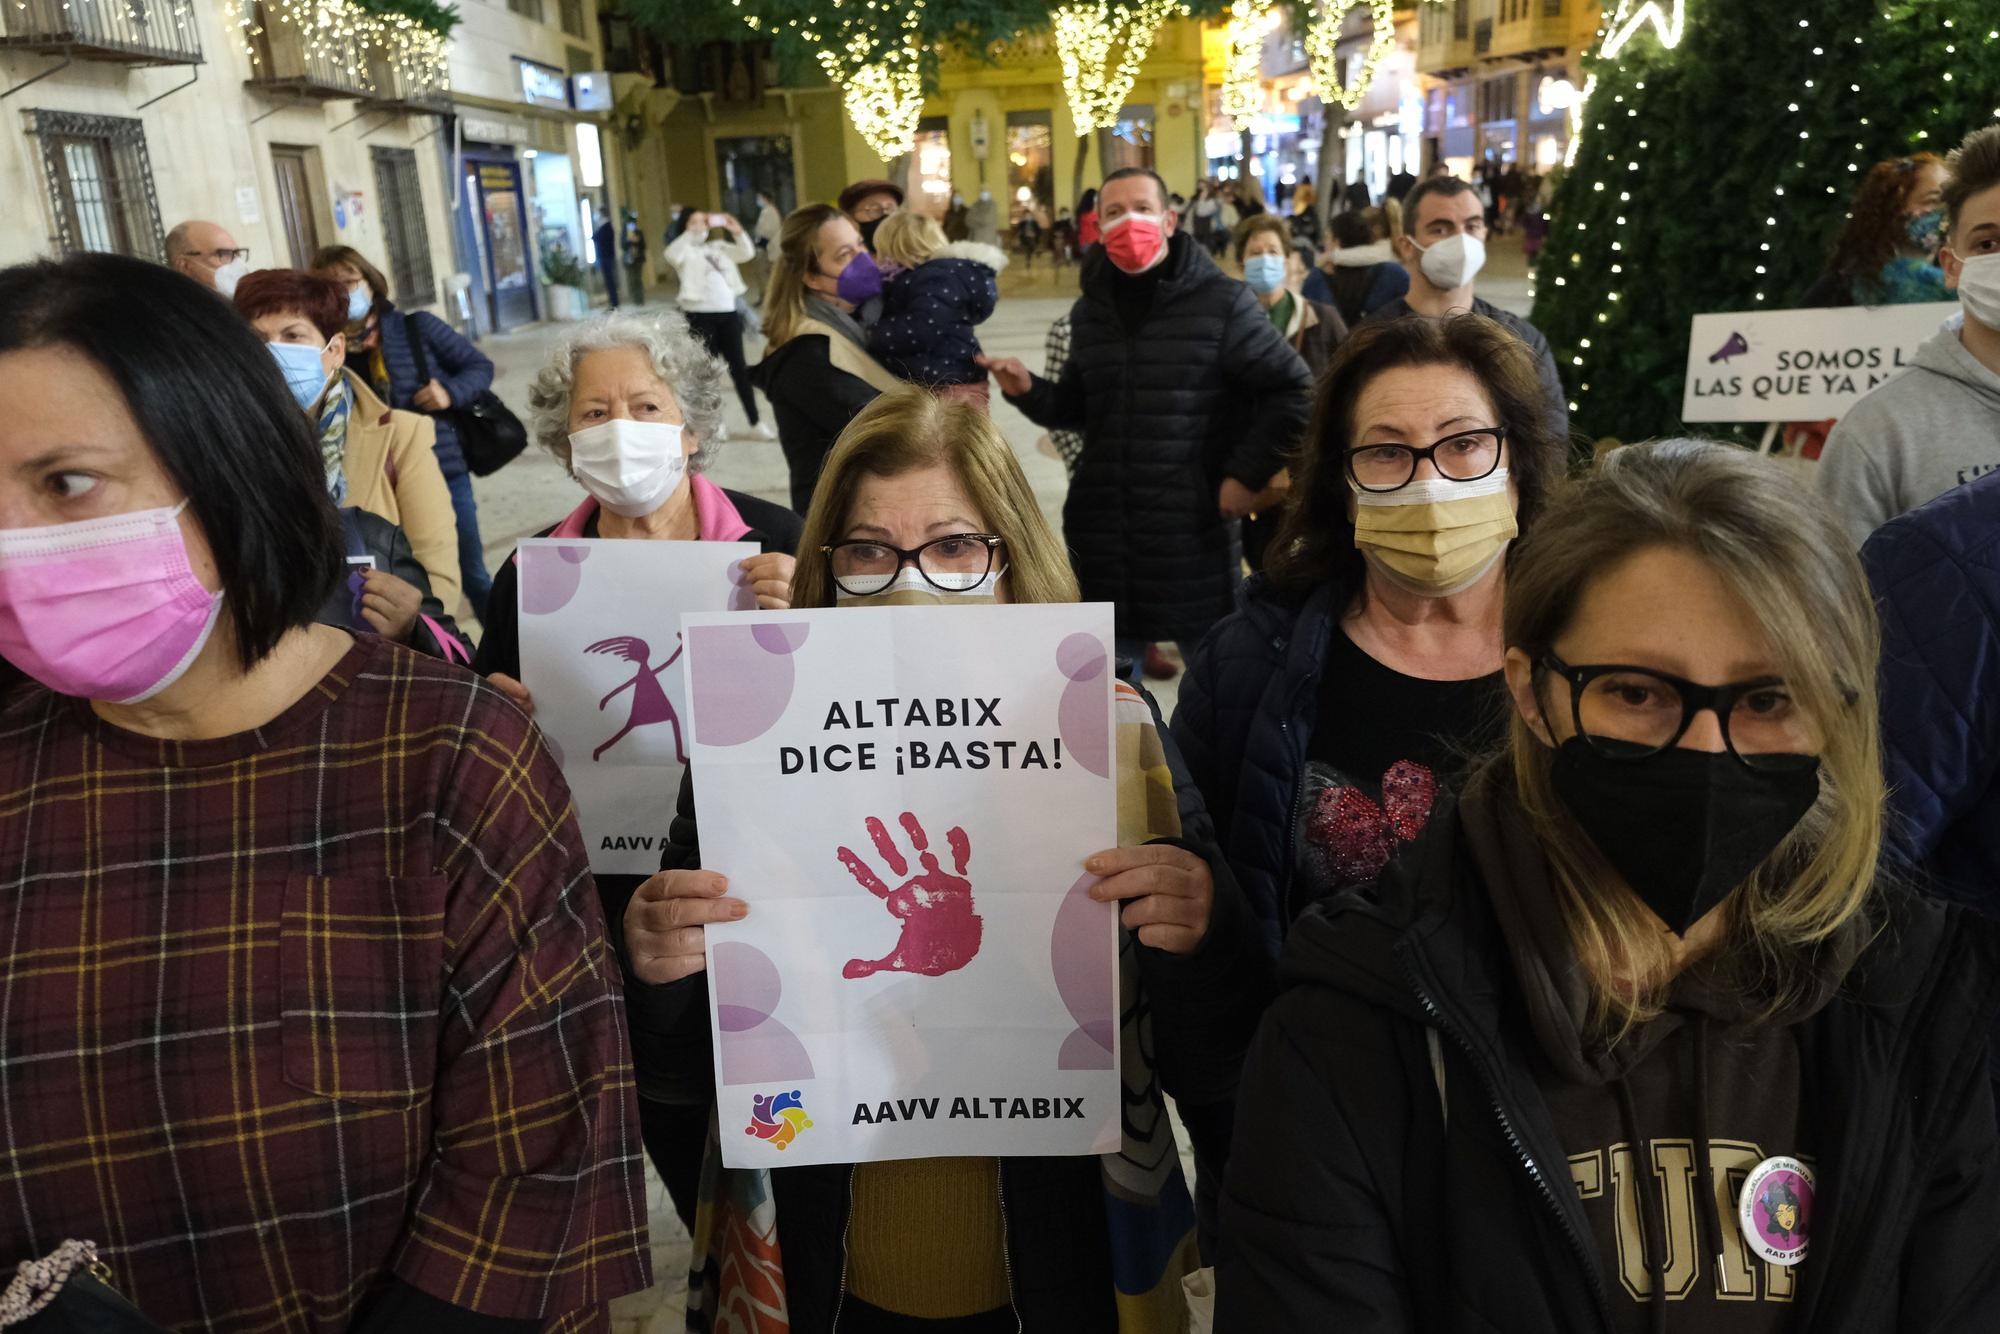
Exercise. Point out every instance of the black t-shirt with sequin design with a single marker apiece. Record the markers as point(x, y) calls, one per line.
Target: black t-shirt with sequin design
point(1385, 747)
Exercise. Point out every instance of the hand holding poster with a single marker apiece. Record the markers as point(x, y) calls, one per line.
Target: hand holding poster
point(601, 653)
point(1799, 365)
point(905, 797)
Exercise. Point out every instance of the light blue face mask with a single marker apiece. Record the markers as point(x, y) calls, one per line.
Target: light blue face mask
point(1264, 273)
point(359, 302)
point(304, 376)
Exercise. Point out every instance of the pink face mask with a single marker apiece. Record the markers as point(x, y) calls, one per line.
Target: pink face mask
point(106, 609)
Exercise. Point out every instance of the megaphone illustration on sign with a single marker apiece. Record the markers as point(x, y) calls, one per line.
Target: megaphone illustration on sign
point(1735, 347)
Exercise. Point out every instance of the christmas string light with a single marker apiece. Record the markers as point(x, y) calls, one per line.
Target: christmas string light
point(1323, 41)
point(1101, 46)
point(1624, 26)
point(1250, 22)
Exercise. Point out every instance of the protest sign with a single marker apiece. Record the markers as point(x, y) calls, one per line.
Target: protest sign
point(1799, 365)
point(904, 796)
point(601, 654)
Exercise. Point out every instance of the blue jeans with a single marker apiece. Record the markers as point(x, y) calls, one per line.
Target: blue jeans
point(471, 552)
point(1131, 652)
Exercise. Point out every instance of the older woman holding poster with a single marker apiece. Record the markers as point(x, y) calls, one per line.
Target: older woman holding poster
point(923, 502)
point(630, 405)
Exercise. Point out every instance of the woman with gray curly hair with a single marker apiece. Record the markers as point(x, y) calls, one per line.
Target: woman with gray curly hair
point(632, 406)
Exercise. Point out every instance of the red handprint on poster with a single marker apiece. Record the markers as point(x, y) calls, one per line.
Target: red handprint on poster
point(940, 931)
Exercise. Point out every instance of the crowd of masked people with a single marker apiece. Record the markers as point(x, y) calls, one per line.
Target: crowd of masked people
point(1572, 914)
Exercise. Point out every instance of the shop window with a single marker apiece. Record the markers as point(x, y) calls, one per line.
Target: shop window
point(1129, 143)
point(1030, 163)
point(100, 183)
point(402, 197)
point(931, 173)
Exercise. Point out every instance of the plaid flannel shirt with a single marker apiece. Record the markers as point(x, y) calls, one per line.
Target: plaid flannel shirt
point(289, 1012)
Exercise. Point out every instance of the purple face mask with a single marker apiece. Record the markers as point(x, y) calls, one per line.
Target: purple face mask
point(861, 281)
point(106, 609)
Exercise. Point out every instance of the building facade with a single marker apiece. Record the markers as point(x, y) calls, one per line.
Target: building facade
point(135, 115)
point(1502, 75)
point(712, 125)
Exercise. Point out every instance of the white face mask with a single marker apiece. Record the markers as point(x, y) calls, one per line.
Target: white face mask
point(1979, 288)
point(911, 589)
point(1453, 262)
point(630, 467)
point(230, 274)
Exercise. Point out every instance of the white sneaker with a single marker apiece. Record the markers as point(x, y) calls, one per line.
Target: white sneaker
point(765, 431)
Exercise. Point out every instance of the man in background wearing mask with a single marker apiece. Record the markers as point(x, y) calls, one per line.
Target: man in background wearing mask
point(868, 202)
point(209, 255)
point(1443, 246)
point(1936, 426)
point(1188, 398)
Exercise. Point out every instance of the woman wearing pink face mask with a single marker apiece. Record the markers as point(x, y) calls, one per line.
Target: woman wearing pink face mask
point(298, 900)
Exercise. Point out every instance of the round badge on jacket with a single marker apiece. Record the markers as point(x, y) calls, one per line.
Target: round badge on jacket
point(1775, 1209)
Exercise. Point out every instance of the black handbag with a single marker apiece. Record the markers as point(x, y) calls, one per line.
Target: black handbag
point(490, 436)
point(69, 1292)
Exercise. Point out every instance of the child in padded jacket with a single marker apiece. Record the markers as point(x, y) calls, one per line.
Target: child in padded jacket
point(935, 293)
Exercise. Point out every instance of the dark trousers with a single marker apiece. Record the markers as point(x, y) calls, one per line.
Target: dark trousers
point(722, 332)
point(675, 1135)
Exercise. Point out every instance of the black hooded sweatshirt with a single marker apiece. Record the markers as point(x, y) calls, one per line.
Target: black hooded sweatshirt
point(1423, 1142)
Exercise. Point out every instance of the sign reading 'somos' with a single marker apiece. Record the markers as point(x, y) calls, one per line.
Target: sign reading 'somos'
point(1799, 365)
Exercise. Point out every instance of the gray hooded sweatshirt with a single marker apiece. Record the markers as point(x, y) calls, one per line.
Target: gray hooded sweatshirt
point(1934, 427)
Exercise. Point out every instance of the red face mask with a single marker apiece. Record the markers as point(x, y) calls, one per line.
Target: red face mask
point(1134, 242)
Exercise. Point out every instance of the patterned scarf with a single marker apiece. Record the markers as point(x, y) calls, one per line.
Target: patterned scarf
point(333, 440)
point(736, 1283)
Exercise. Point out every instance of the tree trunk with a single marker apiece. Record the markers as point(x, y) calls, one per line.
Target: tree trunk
point(1331, 179)
point(899, 173)
point(1082, 168)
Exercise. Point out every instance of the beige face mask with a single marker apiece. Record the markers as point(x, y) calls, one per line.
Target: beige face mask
point(1435, 537)
point(911, 589)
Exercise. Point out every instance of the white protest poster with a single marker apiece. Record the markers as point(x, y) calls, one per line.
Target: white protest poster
point(905, 796)
point(1800, 365)
point(602, 655)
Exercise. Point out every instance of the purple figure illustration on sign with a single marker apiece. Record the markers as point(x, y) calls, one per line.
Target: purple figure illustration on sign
point(649, 697)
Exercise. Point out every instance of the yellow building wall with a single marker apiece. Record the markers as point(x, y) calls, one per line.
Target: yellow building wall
point(675, 160)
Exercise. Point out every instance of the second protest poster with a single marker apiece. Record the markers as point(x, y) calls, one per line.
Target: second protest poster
point(905, 797)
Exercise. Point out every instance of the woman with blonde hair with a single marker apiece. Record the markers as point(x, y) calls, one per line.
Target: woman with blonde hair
point(1639, 1018)
point(817, 370)
point(922, 502)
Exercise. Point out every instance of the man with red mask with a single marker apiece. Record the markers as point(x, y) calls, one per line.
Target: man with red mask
point(1188, 397)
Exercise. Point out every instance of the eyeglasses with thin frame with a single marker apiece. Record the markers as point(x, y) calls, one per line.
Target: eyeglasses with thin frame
point(221, 257)
point(1634, 713)
point(1466, 456)
point(954, 563)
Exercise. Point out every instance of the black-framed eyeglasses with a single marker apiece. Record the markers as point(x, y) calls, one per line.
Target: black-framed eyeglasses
point(954, 563)
point(1466, 456)
point(222, 257)
point(1634, 713)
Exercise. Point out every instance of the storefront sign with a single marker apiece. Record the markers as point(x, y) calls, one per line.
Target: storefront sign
point(905, 796)
point(1799, 365)
point(543, 85)
point(494, 129)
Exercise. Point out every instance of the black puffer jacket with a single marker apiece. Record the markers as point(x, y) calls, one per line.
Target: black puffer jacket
point(1203, 388)
point(1365, 1198)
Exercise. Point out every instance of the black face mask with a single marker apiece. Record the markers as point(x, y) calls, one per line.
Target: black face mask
point(1683, 827)
point(868, 230)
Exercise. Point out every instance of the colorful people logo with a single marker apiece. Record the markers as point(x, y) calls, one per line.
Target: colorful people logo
point(777, 1117)
point(649, 697)
point(940, 931)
